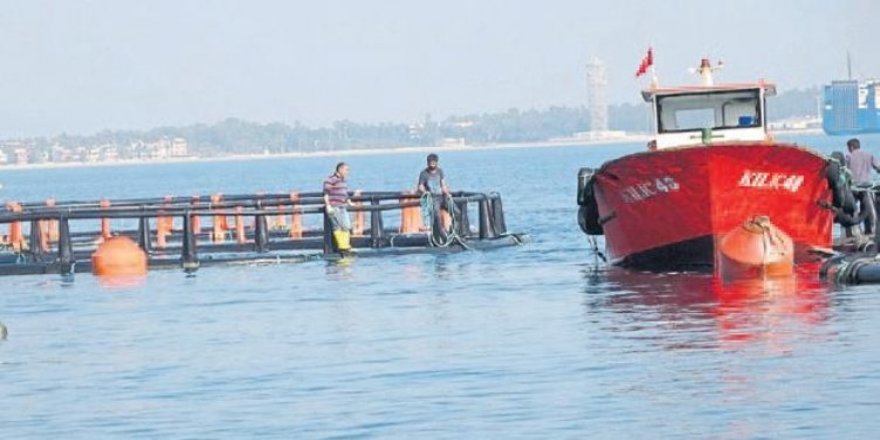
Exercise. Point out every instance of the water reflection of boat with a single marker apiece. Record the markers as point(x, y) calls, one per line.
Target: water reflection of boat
point(698, 310)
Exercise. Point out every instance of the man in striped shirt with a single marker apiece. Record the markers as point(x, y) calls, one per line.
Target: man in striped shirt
point(336, 203)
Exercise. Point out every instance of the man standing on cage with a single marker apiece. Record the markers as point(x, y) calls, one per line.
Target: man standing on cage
point(336, 203)
point(432, 183)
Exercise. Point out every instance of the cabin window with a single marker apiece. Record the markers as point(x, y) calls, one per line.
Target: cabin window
point(714, 110)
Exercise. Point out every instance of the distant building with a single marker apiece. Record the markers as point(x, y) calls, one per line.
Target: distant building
point(21, 156)
point(796, 124)
point(179, 147)
point(58, 153)
point(598, 135)
point(109, 152)
point(452, 142)
point(162, 148)
point(597, 95)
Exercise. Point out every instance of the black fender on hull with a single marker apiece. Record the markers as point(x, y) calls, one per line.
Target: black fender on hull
point(851, 207)
point(588, 214)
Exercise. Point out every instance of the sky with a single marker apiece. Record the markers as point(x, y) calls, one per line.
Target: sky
point(83, 66)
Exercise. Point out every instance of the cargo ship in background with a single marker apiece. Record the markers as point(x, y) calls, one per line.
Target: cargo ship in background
point(711, 167)
point(851, 106)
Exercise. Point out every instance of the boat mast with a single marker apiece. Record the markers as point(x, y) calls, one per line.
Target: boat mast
point(705, 71)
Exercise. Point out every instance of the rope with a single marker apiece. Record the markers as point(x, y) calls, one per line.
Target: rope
point(594, 244)
point(429, 215)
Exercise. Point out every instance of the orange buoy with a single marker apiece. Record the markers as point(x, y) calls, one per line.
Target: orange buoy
point(119, 256)
point(755, 249)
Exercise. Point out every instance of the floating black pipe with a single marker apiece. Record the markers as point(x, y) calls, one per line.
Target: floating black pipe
point(464, 223)
point(377, 230)
point(161, 211)
point(177, 204)
point(143, 235)
point(66, 258)
point(329, 244)
point(498, 223)
point(261, 239)
point(35, 240)
point(189, 257)
point(485, 222)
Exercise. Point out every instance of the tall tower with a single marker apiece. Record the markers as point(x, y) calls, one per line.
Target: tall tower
point(597, 95)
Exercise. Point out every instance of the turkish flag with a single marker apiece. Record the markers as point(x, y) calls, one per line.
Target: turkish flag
point(647, 62)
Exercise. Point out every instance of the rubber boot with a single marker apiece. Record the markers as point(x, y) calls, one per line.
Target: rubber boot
point(343, 240)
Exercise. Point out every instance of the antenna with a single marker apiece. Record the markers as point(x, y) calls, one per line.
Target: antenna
point(848, 66)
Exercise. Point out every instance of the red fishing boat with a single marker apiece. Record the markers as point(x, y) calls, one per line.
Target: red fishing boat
point(711, 167)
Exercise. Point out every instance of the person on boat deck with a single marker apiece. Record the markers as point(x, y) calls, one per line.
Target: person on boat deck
point(433, 181)
point(860, 163)
point(336, 203)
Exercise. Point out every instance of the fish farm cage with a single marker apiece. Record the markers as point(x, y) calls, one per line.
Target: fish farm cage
point(190, 232)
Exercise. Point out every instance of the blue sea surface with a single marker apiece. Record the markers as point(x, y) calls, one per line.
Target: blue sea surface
point(538, 341)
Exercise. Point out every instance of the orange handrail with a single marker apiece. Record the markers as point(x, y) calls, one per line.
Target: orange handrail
point(357, 227)
point(105, 222)
point(196, 220)
point(296, 229)
point(16, 237)
point(239, 225)
point(164, 225)
point(220, 225)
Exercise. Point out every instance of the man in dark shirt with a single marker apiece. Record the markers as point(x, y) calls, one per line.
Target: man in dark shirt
point(336, 203)
point(860, 163)
point(432, 180)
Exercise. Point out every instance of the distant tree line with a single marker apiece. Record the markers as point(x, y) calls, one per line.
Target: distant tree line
point(236, 136)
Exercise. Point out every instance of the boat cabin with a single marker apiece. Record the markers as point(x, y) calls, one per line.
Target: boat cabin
point(700, 115)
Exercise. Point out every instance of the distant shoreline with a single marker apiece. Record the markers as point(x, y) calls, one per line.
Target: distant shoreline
point(551, 143)
point(568, 142)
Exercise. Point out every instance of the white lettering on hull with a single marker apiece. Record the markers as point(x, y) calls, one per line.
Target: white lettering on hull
point(645, 190)
point(772, 181)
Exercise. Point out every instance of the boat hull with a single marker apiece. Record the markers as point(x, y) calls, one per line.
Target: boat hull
point(669, 207)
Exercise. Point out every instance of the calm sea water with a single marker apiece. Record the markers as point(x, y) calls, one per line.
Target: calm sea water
point(537, 341)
